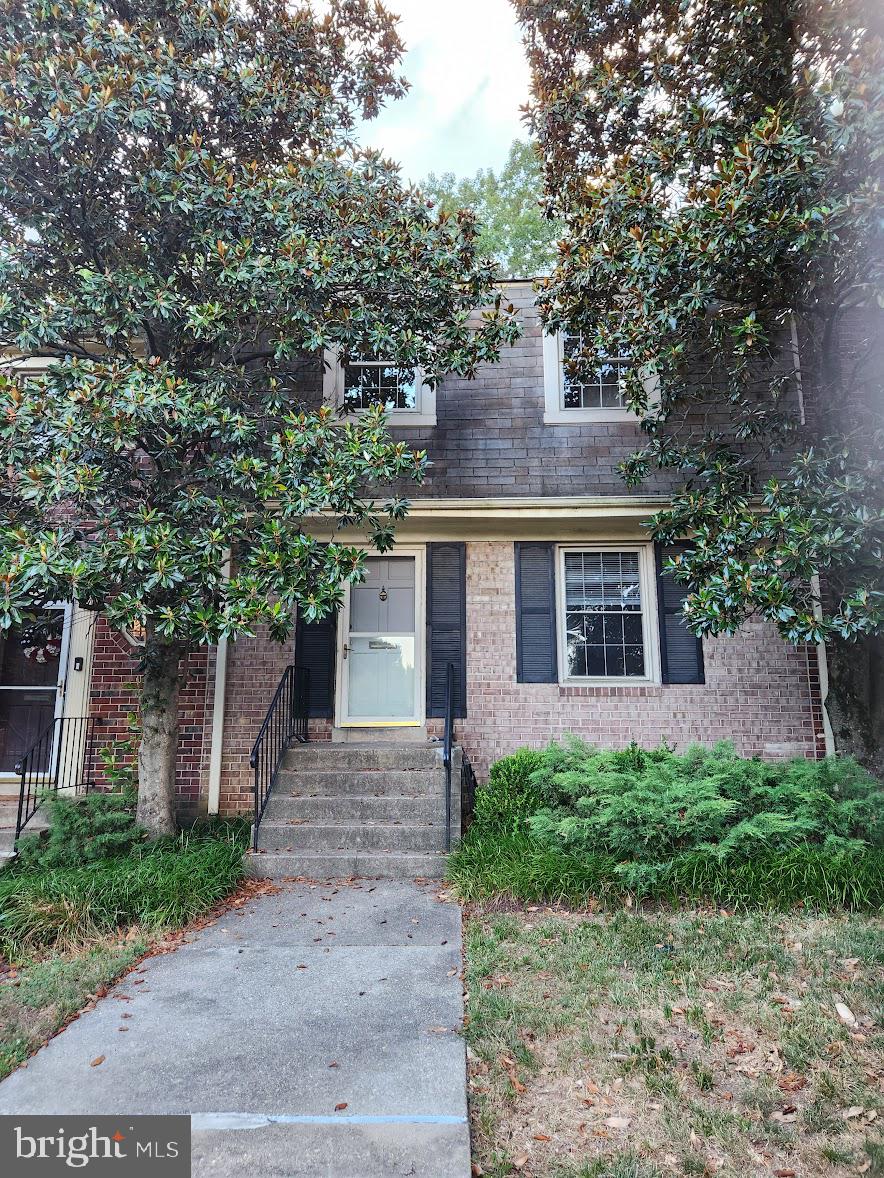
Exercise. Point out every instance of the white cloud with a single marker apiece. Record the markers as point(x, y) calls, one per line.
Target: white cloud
point(469, 77)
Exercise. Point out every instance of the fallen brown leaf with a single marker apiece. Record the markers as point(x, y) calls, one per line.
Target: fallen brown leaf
point(97, 1061)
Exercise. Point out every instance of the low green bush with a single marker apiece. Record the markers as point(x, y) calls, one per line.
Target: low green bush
point(649, 806)
point(572, 822)
point(164, 883)
point(82, 830)
point(509, 798)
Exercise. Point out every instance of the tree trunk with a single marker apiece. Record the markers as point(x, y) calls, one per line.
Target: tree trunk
point(855, 701)
point(158, 750)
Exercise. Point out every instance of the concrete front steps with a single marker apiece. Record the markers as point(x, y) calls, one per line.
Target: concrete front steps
point(368, 808)
point(8, 815)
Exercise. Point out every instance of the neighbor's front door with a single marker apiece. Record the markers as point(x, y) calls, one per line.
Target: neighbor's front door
point(380, 657)
point(33, 661)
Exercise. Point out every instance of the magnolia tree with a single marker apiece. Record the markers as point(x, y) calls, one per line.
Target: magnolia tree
point(717, 167)
point(185, 224)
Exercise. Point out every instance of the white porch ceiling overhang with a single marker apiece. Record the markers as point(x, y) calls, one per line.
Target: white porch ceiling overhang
point(524, 518)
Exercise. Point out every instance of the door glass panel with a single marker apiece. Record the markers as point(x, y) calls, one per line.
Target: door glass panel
point(381, 676)
point(29, 654)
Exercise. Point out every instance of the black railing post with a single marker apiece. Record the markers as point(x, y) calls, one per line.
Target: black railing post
point(254, 763)
point(21, 801)
point(446, 748)
point(89, 754)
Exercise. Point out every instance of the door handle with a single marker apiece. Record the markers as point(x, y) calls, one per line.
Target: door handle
point(346, 649)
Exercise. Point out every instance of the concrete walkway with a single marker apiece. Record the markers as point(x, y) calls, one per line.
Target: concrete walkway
point(312, 1032)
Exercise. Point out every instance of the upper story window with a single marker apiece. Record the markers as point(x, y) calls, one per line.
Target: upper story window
point(603, 389)
point(357, 384)
point(597, 396)
point(369, 382)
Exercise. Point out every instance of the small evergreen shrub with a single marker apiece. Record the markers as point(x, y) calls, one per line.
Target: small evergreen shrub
point(509, 798)
point(82, 830)
point(487, 865)
point(572, 822)
point(650, 806)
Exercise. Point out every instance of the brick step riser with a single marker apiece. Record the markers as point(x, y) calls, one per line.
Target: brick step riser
point(346, 865)
point(354, 808)
point(350, 838)
point(414, 782)
point(353, 757)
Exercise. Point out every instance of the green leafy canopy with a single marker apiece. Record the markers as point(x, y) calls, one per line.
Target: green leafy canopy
point(185, 223)
point(717, 167)
point(513, 226)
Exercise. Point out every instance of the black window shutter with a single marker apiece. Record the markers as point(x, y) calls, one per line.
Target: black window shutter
point(536, 660)
point(315, 650)
point(446, 625)
point(681, 652)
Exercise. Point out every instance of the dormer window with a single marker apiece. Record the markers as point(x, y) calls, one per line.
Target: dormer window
point(356, 384)
point(598, 395)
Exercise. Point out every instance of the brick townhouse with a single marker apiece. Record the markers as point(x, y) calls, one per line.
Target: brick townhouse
point(523, 563)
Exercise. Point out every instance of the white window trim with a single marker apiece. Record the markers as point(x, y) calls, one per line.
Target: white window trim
point(333, 394)
point(553, 388)
point(650, 625)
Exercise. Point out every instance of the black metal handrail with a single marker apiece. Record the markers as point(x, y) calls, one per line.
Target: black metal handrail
point(284, 725)
point(63, 757)
point(447, 741)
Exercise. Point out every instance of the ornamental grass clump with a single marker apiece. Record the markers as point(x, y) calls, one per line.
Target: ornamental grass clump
point(161, 884)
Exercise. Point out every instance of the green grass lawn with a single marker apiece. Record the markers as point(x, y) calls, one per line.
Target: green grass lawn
point(38, 997)
point(634, 1045)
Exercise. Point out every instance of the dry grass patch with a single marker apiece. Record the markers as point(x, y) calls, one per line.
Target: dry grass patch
point(636, 1045)
point(39, 997)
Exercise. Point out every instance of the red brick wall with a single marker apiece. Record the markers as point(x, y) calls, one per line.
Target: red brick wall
point(113, 696)
point(759, 692)
point(254, 668)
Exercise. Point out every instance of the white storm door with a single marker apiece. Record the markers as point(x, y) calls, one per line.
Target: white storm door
point(380, 656)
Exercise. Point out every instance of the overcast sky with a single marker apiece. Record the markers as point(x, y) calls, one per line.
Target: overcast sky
point(468, 78)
